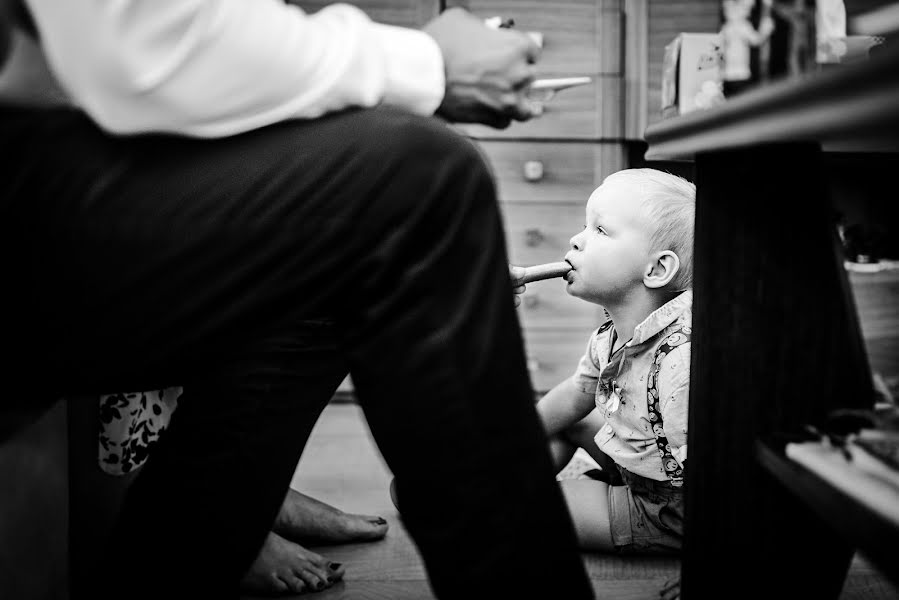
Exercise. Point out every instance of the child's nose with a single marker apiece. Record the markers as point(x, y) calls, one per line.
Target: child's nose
point(575, 242)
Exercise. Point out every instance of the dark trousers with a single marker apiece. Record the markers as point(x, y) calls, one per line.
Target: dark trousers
point(144, 261)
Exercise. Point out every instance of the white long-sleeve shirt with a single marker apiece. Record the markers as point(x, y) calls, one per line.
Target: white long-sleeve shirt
point(213, 68)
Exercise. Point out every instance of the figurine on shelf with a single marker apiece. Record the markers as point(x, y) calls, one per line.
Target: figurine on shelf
point(738, 37)
point(795, 25)
point(830, 30)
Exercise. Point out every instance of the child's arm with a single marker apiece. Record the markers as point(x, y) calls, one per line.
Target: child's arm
point(563, 406)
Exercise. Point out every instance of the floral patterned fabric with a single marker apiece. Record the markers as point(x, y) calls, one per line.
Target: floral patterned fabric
point(130, 424)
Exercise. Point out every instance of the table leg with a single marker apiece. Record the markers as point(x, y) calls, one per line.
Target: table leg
point(776, 344)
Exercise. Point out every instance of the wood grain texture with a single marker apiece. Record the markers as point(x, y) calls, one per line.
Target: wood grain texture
point(553, 353)
point(571, 169)
point(546, 305)
point(580, 37)
point(636, 67)
point(776, 345)
point(587, 112)
point(342, 466)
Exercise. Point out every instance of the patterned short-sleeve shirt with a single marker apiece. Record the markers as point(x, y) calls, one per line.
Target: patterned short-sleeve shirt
point(618, 382)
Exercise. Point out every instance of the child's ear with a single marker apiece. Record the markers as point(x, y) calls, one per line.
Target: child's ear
point(662, 270)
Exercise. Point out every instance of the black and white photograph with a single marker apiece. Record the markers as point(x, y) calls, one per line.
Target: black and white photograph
point(423, 299)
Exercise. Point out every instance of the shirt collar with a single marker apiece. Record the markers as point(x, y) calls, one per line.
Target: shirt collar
point(662, 317)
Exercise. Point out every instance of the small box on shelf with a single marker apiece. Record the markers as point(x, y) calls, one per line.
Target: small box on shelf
point(691, 73)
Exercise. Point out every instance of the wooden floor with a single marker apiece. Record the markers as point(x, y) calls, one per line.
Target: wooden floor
point(342, 466)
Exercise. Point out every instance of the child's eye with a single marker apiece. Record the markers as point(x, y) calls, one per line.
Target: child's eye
point(600, 230)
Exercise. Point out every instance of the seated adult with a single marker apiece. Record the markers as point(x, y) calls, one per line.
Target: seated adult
point(274, 167)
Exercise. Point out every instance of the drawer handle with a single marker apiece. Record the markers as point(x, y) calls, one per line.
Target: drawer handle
point(533, 170)
point(531, 301)
point(533, 237)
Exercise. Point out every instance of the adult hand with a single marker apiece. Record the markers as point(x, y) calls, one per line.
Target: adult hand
point(516, 273)
point(488, 71)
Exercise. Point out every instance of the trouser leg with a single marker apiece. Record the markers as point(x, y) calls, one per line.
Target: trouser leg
point(208, 495)
point(180, 258)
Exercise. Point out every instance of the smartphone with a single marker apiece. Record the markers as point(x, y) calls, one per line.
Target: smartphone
point(559, 83)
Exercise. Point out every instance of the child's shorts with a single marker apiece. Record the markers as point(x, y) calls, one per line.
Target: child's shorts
point(646, 516)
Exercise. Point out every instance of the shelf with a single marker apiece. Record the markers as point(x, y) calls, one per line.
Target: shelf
point(847, 109)
point(854, 515)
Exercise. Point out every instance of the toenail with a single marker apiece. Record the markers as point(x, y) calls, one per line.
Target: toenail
point(334, 565)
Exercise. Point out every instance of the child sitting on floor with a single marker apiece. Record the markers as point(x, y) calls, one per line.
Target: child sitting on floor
point(626, 403)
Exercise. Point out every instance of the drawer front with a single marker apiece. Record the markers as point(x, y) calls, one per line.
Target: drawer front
point(582, 37)
point(588, 112)
point(406, 13)
point(538, 233)
point(553, 354)
point(551, 171)
point(546, 305)
point(579, 37)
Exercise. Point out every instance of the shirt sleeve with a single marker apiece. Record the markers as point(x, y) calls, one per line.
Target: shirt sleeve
point(674, 395)
point(213, 68)
point(586, 376)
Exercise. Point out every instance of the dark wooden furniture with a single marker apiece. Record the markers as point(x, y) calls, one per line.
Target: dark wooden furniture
point(777, 343)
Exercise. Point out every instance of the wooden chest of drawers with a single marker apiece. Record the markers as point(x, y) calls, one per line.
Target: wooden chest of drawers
point(541, 214)
point(546, 168)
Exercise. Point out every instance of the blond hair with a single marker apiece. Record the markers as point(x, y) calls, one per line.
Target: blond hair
point(669, 204)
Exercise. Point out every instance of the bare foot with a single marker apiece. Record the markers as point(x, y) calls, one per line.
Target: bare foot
point(309, 520)
point(285, 567)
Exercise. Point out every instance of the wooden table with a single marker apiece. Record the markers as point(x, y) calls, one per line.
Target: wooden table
point(777, 342)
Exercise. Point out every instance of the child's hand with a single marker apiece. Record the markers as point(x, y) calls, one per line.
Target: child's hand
point(516, 274)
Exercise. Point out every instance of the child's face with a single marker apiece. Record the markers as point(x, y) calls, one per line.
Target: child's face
point(612, 254)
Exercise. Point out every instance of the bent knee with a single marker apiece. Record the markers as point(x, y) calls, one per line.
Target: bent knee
point(414, 140)
point(424, 157)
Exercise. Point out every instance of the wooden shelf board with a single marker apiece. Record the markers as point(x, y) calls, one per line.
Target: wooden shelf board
point(873, 535)
point(849, 109)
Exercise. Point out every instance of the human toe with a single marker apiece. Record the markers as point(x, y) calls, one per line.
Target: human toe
point(293, 584)
point(313, 579)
